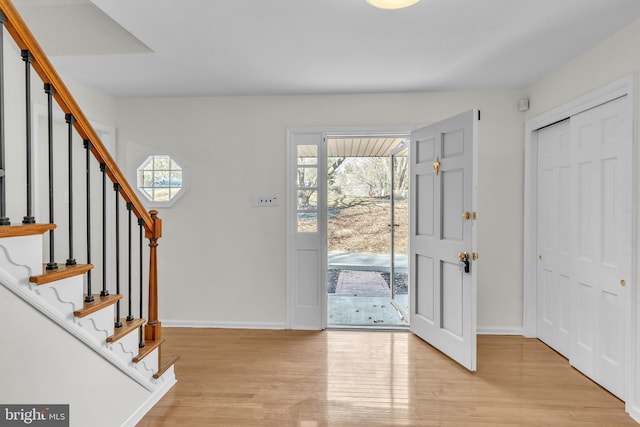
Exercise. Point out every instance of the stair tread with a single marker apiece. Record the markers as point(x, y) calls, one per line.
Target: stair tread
point(25, 229)
point(127, 326)
point(149, 346)
point(166, 362)
point(62, 272)
point(98, 303)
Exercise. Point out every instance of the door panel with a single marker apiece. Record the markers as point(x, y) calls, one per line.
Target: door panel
point(443, 295)
point(584, 229)
point(306, 255)
point(602, 249)
point(554, 223)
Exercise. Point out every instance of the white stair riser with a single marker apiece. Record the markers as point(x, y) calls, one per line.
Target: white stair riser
point(99, 324)
point(65, 295)
point(20, 258)
point(126, 348)
point(149, 365)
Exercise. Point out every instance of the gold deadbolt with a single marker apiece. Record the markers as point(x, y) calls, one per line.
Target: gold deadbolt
point(466, 215)
point(622, 282)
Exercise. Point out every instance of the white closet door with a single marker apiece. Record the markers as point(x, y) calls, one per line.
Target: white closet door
point(601, 250)
point(554, 239)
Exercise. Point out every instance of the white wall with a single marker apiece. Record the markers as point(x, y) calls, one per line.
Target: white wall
point(223, 262)
point(613, 58)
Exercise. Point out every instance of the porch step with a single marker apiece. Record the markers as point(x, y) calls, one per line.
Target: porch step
point(63, 272)
point(127, 326)
point(25, 229)
point(97, 304)
point(149, 346)
point(166, 362)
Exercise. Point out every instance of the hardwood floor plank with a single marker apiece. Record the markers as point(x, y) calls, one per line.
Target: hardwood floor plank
point(354, 378)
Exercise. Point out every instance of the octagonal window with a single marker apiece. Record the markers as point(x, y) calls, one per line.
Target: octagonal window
point(160, 179)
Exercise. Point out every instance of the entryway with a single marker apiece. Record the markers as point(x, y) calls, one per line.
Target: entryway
point(361, 180)
point(442, 231)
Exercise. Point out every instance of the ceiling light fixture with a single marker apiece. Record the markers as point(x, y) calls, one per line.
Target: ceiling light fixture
point(392, 4)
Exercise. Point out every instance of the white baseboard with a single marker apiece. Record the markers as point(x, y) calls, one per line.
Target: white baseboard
point(634, 412)
point(221, 324)
point(149, 403)
point(499, 331)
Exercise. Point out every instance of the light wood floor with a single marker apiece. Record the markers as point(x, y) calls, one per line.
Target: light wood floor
point(354, 378)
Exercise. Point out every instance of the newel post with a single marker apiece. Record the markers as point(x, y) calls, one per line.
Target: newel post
point(152, 330)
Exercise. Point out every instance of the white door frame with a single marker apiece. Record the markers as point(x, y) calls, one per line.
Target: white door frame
point(622, 87)
point(291, 217)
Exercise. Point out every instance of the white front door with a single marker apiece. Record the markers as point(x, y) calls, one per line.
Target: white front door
point(442, 230)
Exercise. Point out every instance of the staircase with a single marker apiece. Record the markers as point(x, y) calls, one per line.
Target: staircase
point(63, 341)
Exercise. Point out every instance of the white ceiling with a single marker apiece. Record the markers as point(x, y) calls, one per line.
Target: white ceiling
point(266, 47)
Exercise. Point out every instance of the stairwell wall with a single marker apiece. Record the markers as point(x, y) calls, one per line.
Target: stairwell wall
point(44, 364)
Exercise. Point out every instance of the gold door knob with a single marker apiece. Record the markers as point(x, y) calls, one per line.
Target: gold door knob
point(463, 256)
point(466, 215)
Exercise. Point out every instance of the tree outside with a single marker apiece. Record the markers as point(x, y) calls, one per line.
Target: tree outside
point(359, 192)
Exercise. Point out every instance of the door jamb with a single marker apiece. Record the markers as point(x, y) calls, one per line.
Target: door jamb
point(622, 87)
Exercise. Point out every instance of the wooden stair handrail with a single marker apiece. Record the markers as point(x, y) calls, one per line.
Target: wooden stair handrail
point(25, 40)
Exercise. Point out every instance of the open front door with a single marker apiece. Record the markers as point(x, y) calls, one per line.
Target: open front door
point(443, 237)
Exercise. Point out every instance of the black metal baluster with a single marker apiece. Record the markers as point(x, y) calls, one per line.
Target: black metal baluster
point(116, 188)
point(3, 194)
point(130, 312)
point(28, 59)
point(70, 121)
point(141, 332)
point(87, 146)
point(49, 90)
point(103, 170)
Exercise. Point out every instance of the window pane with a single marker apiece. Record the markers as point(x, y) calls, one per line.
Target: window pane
point(307, 154)
point(160, 178)
point(307, 222)
point(307, 199)
point(307, 177)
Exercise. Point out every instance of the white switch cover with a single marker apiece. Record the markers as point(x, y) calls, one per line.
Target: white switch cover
point(259, 201)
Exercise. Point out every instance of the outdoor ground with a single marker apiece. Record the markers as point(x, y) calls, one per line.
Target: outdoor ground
point(361, 225)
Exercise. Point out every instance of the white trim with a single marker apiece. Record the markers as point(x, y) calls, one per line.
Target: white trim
point(625, 86)
point(634, 412)
point(221, 324)
point(151, 401)
point(499, 331)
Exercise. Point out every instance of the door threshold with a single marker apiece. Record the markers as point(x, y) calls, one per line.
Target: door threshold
point(365, 328)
